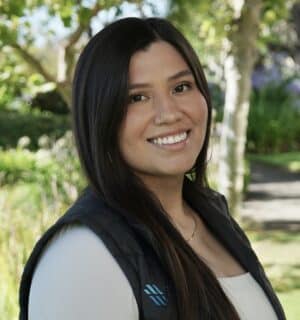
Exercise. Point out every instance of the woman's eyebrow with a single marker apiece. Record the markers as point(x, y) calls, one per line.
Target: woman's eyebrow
point(180, 74)
point(177, 75)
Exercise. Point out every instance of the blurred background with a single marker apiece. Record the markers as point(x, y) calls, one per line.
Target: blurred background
point(250, 52)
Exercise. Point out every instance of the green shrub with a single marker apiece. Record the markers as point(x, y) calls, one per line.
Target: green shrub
point(217, 98)
point(15, 164)
point(50, 101)
point(55, 166)
point(274, 121)
point(14, 125)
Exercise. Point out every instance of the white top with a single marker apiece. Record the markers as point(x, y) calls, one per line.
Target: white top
point(87, 283)
point(248, 297)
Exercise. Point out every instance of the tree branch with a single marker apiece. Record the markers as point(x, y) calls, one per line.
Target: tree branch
point(74, 37)
point(62, 86)
point(33, 61)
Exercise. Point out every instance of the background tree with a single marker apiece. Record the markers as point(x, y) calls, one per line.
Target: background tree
point(17, 32)
point(239, 62)
point(230, 33)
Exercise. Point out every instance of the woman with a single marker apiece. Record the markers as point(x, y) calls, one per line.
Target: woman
point(148, 239)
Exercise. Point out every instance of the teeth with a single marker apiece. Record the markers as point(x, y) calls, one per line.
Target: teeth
point(170, 139)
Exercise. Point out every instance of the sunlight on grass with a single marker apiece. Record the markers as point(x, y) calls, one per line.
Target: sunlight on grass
point(290, 301)
point(289, 160)
point(279, 253)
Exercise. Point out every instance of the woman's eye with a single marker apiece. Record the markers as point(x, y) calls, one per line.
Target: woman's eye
point(182, 87)
point(136, 98)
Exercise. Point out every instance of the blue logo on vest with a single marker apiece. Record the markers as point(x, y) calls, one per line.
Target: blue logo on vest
point(155, 294)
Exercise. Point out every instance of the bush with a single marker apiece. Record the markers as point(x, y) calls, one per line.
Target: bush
point(218, 99)
point(14, 125)
point(54, 166)
point(15, 164)
point(274, 121)
point(51, 101)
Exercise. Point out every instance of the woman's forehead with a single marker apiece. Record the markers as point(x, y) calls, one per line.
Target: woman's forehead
point(160, 59)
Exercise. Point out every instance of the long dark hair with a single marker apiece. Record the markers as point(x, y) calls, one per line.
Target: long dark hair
point(100, 91)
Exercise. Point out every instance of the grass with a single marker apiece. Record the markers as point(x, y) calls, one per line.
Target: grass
point(280, 255)
point(25, 213)
point(288, 160)
point(290, 300)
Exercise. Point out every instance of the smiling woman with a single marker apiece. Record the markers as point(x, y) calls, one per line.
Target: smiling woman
point(144, 240)
point(164, 128)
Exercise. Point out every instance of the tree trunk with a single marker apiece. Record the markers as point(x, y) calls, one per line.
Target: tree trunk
point(64, 73)
point(241, 48)
point(65, 89)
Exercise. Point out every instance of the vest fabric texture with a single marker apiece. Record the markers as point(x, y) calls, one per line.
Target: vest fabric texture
point(132, 246)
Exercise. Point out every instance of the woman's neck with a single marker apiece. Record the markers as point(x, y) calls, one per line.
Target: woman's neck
point(168, 190)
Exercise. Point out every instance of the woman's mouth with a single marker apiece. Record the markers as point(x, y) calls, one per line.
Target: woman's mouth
point(170, 140)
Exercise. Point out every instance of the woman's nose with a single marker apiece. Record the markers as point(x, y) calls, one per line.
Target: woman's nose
point(167, 111)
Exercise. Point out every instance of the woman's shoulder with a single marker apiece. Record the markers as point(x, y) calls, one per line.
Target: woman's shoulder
point(77, 268)
point(75, 246)
point(70, 242)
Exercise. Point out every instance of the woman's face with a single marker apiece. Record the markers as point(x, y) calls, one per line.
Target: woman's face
point(164, 128)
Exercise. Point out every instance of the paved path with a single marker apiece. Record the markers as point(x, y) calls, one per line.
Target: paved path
point(273, 197)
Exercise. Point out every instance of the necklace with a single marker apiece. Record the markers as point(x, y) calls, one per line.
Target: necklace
point(194, 231)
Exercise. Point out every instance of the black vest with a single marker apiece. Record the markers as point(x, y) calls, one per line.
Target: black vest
point(131, 244)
